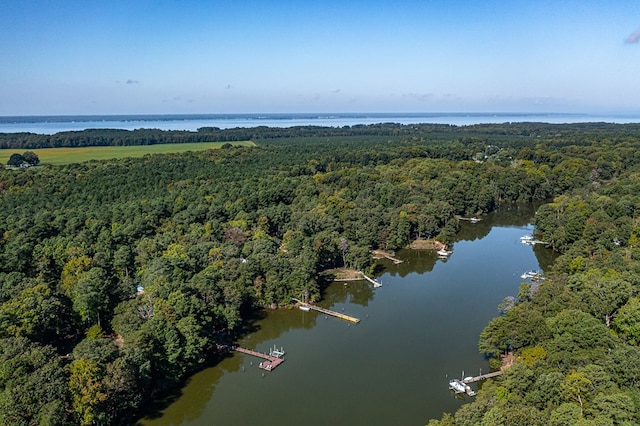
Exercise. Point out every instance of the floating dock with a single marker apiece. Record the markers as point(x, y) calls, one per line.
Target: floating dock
point(304, 305)
point(270, 362)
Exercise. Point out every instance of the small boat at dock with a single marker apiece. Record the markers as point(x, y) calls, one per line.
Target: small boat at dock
point(470, 219)
point(531, 275)
point(526, 239)
point(457, 386)
point(460, 386)
point(443, 253)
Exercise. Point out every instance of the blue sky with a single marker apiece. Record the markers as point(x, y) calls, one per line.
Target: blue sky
point(218, 56)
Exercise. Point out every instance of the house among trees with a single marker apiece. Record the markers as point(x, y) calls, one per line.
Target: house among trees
point(28, 159)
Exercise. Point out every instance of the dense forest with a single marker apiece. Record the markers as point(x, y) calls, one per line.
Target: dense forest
point(118, 278)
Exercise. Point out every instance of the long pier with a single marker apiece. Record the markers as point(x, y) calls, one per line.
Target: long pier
point(327, 311)
point(481, 377)
point(380, 253)
point(393, 259)
point(372, 281)
point(270, 361)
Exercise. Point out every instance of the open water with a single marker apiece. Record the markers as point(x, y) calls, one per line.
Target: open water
point(55, 124)
point(417, 331)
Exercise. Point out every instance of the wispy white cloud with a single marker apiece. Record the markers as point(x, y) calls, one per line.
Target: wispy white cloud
point(634, 37)
point(418, 96)
point(174, 99)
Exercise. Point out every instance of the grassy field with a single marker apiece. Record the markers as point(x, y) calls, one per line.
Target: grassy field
point(78, 155)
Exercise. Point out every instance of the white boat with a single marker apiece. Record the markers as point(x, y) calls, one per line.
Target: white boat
point(304, 308)
point(531, 275)
point(526, 239)
point(443, 253)
point(457, 386)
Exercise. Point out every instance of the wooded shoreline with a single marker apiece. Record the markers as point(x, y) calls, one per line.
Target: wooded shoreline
point(212, 236)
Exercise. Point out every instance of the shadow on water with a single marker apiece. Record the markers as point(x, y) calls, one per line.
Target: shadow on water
point(183, 405)
point(191, 408)
point(356, 292)
point(508, 215)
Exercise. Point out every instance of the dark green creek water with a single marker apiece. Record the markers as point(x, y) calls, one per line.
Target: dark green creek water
point(416, 331)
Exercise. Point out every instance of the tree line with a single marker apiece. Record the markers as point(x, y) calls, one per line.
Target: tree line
point(118, 278)
point(576, 335)
point(514, 134)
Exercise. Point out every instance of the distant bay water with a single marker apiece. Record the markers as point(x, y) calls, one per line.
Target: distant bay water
point(191, 122)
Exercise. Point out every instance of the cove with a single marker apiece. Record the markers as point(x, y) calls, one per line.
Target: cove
point(416, 331)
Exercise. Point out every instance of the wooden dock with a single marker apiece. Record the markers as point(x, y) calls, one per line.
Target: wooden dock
point(270, 361)
point(327, 311)
point(375, 283)
point(474, 379)
point(383, 254)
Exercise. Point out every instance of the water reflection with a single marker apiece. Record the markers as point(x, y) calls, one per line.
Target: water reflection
point(188, 407)
point(419, 328)
point(356, 292)
point(516, 215)
point(413, 261)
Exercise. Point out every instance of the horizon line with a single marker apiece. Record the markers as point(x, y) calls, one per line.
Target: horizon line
point(323, 114)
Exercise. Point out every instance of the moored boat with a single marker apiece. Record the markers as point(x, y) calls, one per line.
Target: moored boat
point(443, 253)
point(457, 386)
point(526, 239)
point(531, 275)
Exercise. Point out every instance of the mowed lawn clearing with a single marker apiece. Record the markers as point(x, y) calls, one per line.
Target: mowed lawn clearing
point(60, 156)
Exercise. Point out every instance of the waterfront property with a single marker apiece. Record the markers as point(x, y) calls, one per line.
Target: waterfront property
point(402, 344)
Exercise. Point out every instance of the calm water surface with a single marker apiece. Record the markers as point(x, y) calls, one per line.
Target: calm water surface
point(55, 124)
point(416, 331)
